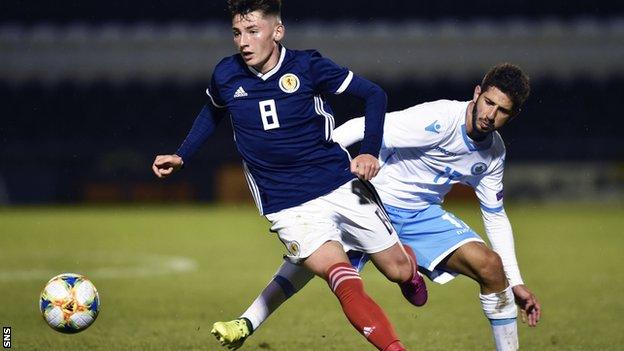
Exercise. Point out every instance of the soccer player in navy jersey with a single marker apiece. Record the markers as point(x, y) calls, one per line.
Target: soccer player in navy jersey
point(301, 180)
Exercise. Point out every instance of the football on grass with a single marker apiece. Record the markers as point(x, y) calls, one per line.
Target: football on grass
point(69, 303)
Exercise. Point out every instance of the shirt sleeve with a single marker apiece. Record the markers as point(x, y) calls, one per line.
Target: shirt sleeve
point(489, 187)
point(327, 76)
point(489, 190)
point(214, 94)
point(499, 232)
point(375, 100)
point(204, 125)
point(350, 132)
point(420, 126)
point(417, 126)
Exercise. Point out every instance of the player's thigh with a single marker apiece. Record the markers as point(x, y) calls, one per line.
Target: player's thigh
point(394, 263)
point(366, 227)
point(361, 218)
point(304, 228)
point(433, 234)
point(325, 256)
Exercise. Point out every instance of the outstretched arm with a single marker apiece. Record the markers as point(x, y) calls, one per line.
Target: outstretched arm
point(498, 230)
point(204, 125)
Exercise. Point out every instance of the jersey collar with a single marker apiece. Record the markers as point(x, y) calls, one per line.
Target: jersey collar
point(274, 70)
point(474, 146)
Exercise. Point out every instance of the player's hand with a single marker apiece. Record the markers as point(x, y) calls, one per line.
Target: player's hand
point(165, 165)
point(365, 166)
point(529, 306)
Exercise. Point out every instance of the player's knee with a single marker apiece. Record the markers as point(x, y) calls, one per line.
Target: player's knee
point(393, 263)
point(400, 270)
point(490, 269)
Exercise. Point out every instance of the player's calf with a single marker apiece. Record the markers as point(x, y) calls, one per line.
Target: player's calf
point(414, 289)
point(363, 313)
point(500, 309)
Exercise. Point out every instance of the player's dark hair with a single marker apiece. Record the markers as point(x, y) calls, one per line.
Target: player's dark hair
point(509, 79)
point(244, 7)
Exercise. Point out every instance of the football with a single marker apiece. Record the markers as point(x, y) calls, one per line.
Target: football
point(69, 303)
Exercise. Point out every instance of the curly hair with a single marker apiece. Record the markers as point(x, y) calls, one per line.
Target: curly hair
point(509, 79)
point(244, 7)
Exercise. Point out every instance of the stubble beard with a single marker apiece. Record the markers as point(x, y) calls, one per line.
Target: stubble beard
point(477, 135)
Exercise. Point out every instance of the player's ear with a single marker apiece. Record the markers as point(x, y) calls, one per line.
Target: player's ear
point(278, 32)
point(477, 92)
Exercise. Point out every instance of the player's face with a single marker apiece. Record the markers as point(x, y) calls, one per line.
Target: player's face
point(492, 110)
point(256, 37)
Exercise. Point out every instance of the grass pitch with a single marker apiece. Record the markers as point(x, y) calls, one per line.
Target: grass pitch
point(165, 274)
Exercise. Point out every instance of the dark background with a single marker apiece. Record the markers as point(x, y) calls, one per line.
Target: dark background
point(71, 141)
point(64, 11)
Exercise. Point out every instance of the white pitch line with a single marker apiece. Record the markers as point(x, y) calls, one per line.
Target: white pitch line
point(134, 266)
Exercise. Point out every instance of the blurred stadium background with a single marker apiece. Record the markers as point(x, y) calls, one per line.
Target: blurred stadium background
point(91, 91)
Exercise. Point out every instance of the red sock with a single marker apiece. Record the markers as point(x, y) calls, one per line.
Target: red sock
point(363, 313)
point(395, 346)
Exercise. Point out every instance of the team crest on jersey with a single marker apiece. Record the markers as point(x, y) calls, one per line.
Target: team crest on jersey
point(434, 127)
point(499, 195)
point(289, 83)
point(478, 168)
point(293, 248)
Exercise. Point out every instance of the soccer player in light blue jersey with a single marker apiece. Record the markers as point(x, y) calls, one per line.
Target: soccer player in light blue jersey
point(425, 150)
point(302, 181)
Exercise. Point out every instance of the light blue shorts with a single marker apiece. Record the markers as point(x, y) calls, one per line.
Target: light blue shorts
point(432, 233)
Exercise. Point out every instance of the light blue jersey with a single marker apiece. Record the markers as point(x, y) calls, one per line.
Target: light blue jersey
point(425, 151)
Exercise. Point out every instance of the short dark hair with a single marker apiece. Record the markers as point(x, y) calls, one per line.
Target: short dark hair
point(509, 79)
point(244, 7)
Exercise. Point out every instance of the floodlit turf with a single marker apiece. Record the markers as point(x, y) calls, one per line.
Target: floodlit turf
point(164, 274)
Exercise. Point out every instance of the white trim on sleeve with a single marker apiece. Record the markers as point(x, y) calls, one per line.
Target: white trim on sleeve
point(212, 99)
point(345, 84)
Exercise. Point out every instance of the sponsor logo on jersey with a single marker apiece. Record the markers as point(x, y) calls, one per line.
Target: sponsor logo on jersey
point(434, 127)
point(478, 168)
point(289, 83)
point(240, 92)
point(445, 151)
point(293, 248)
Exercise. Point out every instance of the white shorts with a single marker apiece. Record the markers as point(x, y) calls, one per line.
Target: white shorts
point(351, 215)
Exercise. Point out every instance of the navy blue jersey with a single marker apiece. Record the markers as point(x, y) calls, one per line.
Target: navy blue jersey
point(283, 126)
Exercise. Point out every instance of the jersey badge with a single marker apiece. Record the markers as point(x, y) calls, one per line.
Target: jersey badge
point(240, 92)
point(499, 195)
point(478, 168)
point(293, 248)
point(289, 83)
point(434, 127)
